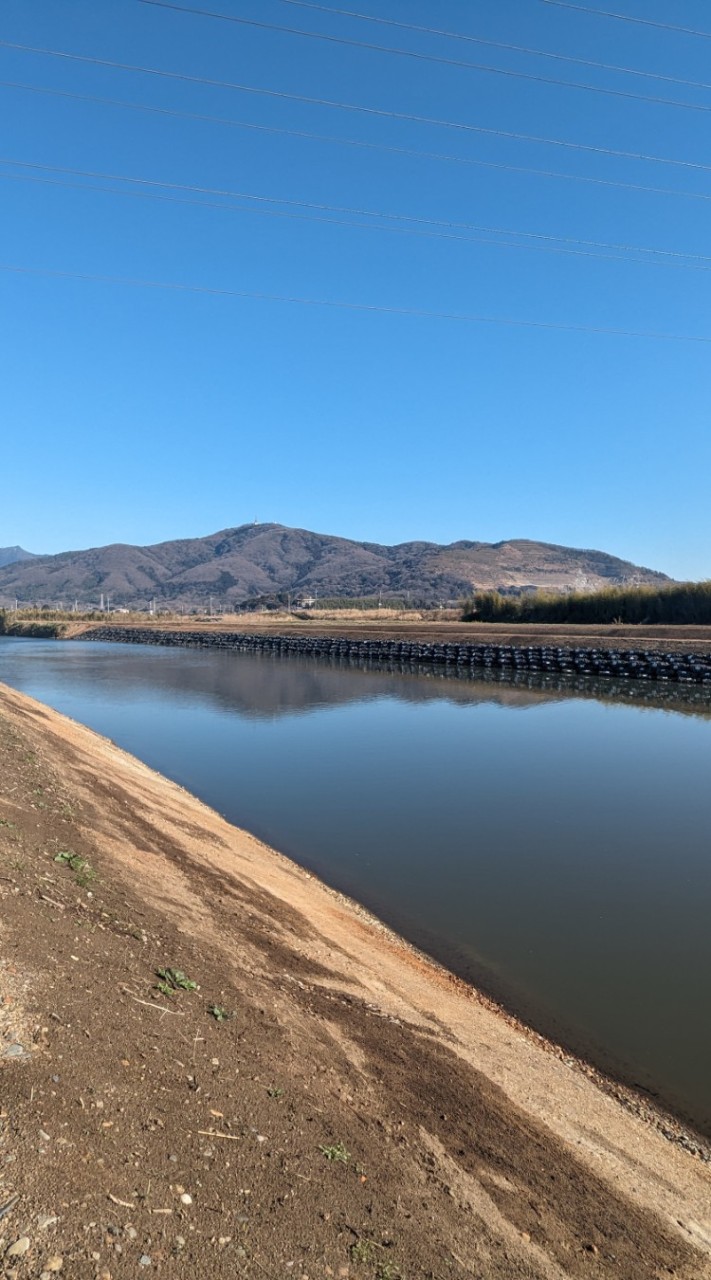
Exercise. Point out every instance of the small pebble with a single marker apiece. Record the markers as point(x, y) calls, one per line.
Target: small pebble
point(185, 1198)
point(55, 1263)
point(144, 1260)
point(19, 1248)
point(44, 1136)
point(13, 1051)
point(46, 1220)
point(131, 1233)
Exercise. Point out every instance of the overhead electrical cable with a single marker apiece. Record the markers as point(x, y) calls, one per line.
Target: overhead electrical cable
point(498, 44)
point(506, 72)
point(365, 307)
point(360, 226)
point(506, 134)
point(628, 17)
point(365, 225)
point(446, 229)
point(185, 77)
point(486, 241)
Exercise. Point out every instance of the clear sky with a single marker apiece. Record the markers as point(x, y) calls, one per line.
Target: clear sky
point(139, 414)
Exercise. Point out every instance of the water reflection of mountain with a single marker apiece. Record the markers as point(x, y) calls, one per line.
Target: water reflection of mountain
point(268, 686)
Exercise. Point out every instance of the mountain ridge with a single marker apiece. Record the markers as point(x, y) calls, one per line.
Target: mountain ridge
point(253, 561)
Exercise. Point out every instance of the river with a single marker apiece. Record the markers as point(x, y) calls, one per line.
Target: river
point(552, 845)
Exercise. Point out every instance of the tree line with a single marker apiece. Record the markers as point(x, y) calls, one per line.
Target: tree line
point(678, 604)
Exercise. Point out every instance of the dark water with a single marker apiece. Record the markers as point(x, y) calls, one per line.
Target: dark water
point(554, 846)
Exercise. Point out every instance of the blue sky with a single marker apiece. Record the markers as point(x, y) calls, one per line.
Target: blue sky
point(139, 414)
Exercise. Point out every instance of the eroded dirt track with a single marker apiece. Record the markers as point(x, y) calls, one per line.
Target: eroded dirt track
point(326, 1103)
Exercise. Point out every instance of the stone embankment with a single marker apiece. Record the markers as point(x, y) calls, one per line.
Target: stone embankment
point(645, 664)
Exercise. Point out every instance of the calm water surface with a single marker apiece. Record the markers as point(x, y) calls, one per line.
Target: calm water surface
point(554, 847)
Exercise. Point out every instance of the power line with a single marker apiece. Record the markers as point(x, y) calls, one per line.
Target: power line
point(507, 134)
point(497, 44)
point(444, 227)
point(364, 226)
point(407, 117)
point(682, 265)
point(626, 17)
point(366, 307)
point(431, 57)
point(449, 124)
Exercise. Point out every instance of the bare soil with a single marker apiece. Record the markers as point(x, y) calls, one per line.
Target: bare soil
point(325, 1103)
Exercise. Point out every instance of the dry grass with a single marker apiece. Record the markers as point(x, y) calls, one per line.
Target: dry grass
point(369, 616)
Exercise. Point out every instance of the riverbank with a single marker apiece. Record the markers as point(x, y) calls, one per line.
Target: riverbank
point(327, 1098)
point(430, 631)
point(409, 628)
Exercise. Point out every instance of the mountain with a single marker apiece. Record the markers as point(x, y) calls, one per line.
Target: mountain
point(12, 555)
point(261, 560)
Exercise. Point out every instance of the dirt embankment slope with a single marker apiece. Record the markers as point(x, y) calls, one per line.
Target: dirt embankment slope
point(325, 1104)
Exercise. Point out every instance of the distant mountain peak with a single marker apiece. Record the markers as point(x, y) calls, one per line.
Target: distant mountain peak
point(262, 561)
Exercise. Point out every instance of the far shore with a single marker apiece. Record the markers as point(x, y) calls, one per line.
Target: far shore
point(389, 625)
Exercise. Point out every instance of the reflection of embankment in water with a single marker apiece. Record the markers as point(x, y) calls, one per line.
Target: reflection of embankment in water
point(423, 682)
point(529, 688)
point(270, 685)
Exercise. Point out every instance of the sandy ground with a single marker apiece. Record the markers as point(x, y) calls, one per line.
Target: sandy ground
point(325, 1103)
